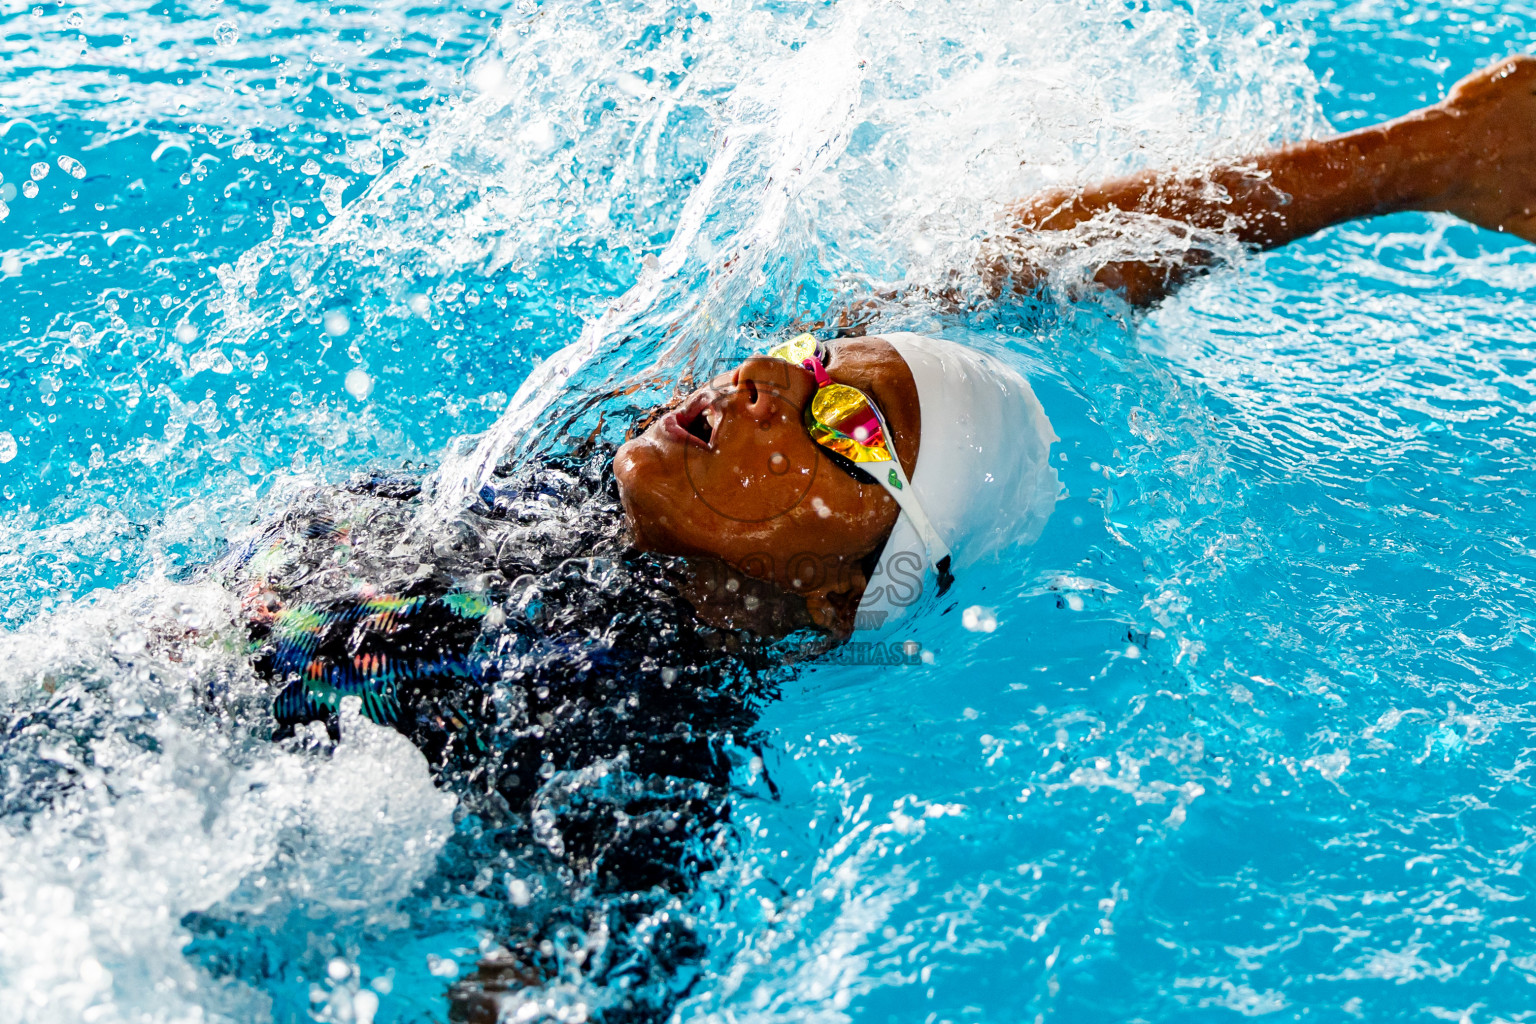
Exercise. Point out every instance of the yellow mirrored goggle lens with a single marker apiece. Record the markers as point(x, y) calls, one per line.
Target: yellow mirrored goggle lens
point(841, 418)
point(796, 350)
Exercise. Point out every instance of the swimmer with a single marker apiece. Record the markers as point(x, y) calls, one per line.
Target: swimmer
point(582, 653)
point(846, 473)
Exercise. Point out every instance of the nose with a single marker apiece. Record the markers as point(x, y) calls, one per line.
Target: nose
point(772, 387)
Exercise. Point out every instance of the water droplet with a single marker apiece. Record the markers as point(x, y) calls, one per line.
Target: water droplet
point(358, 383)
point(331, 192)
point(5, 211)
point(364, 1005)
point(186, 333)
point(72, 167)
point(82, 334)
point(979, 620)
point(442, 966)
point(778, 463)
point(7, 446)
point(225, 34)
point(40, 170)
point(336, 322)
point(298, 212)
point(10, 266)
point(249, 465)
point(29, 189)
point(310, 166)
point(75, 20)
point(365, 155)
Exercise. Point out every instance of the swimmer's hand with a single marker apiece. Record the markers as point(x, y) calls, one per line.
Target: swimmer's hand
point(1487, 130)
point(1473, 155)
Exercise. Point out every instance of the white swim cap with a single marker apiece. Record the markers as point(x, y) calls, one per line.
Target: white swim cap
point(983, 473)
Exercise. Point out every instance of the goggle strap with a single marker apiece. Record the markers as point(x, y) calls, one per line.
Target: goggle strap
point(900, 489)
point(938, 551)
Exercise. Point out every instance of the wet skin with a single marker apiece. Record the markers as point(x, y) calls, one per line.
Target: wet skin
point(1473, 155)
point(731, 473)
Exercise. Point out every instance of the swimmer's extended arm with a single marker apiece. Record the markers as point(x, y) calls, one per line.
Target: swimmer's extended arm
point(1473, 155)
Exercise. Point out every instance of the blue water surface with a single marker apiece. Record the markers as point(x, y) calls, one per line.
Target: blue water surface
point(1243, 735)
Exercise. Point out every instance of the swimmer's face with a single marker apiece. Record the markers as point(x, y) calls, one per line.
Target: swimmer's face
point(730, 472)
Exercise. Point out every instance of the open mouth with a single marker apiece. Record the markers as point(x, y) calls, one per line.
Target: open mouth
point(694, 423)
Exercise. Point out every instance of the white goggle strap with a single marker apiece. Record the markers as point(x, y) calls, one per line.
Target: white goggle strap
point(896, 484)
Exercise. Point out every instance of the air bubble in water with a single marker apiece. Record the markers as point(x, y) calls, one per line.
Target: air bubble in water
point(358, 383)
point(979, 620)
point(72, 167)
point(29, 189)
point(310, 166)
point(40, 170)
point(7, 446)
point(225, 34)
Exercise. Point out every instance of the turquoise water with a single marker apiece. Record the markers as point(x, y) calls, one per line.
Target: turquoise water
point(1248, 735)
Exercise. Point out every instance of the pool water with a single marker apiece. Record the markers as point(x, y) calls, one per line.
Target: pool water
point(1242, 735)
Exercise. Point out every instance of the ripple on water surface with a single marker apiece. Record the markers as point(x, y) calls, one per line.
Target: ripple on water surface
point(1242, 735)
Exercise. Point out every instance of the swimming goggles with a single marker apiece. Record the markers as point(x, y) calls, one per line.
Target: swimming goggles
point(848, 424)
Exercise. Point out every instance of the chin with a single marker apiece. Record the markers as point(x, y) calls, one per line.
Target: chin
point(638, 467)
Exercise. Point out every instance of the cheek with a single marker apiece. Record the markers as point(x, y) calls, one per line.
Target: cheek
point(756, 477)
point(860, 513)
